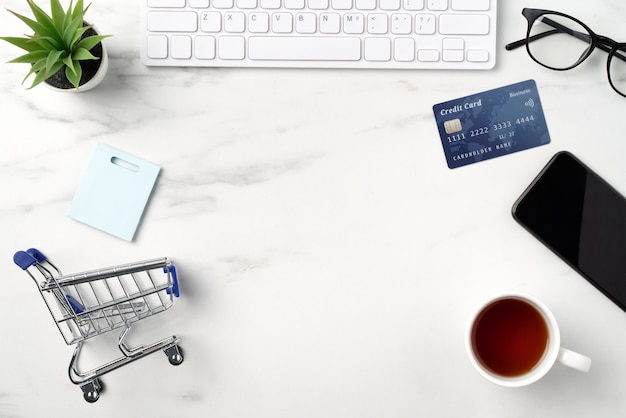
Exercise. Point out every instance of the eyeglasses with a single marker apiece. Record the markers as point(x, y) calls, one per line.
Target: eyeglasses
point(561, 42)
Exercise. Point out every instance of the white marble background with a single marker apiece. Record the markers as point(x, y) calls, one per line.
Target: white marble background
point(328, 257)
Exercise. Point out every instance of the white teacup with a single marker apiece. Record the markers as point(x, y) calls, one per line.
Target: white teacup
point(514, 340)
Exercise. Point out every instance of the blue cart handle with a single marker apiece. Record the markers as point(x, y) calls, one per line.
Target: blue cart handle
point(172, 269)
point(24, 260)
point(38, 255)
point(28, 258)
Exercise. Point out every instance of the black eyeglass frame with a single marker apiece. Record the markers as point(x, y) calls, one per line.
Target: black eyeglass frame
point(601, 42)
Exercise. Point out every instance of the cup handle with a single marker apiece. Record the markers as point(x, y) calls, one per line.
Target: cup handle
point(574, 360)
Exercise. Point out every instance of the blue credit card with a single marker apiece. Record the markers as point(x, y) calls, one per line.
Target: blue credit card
point(491, 124)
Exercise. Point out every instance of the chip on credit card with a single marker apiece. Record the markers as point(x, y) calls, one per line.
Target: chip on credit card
point(491, 124)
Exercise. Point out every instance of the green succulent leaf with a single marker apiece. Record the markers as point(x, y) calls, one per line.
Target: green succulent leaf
point(26, 44)
point(53, 58)
point(40, 65)
point(30, 58)
point(79, 33)
point(37, 68)
point(34, 25)
point(55, 68)
point(79, 10)
point(46, 42)
point(43, 75)
point(44, 20)
point(71, 29)
point(89, 42)
point(70, 63)
point(82, 54)
point(58, 14)
point(74, 77)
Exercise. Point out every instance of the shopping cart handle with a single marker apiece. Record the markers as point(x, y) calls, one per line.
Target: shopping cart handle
point(172, 269)
point(24, 260)
point(38, 255)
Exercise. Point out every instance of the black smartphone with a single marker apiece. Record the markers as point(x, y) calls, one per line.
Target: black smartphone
point(582, 219)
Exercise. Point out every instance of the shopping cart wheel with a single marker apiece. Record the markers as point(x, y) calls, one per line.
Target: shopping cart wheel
point(174, 355)
point(91, 391)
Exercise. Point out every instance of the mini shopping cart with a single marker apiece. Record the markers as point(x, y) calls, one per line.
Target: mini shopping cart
point(91, 303)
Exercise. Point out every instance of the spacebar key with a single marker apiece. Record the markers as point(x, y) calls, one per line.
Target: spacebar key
point(304, 48)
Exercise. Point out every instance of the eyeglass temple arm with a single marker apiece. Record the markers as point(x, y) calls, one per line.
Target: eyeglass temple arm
point(558, 29)
point(522, 42)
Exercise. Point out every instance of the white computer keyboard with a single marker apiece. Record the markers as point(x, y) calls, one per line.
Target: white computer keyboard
point(419, 34)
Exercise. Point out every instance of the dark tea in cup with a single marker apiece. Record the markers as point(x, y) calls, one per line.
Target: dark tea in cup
point(513, 340)
point(510, 337)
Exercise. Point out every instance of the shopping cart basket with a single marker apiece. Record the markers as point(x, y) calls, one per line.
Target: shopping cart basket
point(91, 303)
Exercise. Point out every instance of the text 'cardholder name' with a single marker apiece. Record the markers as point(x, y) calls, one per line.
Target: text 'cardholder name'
point(491, 124)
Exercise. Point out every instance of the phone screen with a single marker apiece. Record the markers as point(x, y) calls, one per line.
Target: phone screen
point(581, 218)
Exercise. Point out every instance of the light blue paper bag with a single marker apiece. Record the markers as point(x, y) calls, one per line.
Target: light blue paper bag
point(114, 191)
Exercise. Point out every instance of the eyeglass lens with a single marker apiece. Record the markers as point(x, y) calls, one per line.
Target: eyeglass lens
point(561, 43)
point(558, 42)
point(617, 70)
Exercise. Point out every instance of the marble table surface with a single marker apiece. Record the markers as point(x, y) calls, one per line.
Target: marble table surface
point(328, 258)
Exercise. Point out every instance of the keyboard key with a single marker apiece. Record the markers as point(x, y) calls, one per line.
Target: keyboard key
point(318, 4)
point(437, 4)
point(205, 47)
point(341, 4)
point(223, 4)
point(270, 4)
point(353, 23)
point(478, 55)
point(330, 22)
point(231, 47)
point(308, 48)
point(166, 3)
point(306, 23)
point(453, 43)
point(294, 4)
point(453, 55)
point(181, 47)
point(404, 49)
point(366, 4)
point(425, 24)
point(463, 24)
point(453, 49)
point(413, 4)
point(390, 4)
point(157, 46)
point(282, 22)
point(210, 22)
point(428, 55)
point(377, 49)
point(199, 4)
point(234, 22)
point(258, 22)
point(246, 4)
point(401, 23)
point(172, 21)
point(377, 23)
point(467, 5)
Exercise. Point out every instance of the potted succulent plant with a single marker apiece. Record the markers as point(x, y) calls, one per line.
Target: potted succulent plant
point(64, 52)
